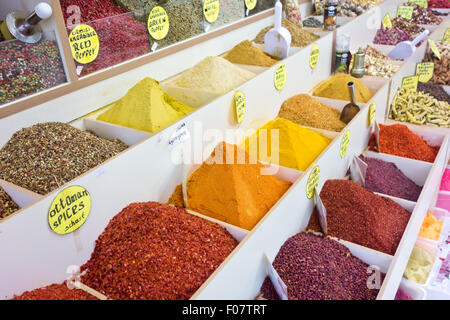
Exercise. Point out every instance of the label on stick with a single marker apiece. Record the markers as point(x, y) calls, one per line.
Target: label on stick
point(314, 56)
point(69, 210)
point(344, 144)
point(425, 71)
point(240, 105)
point(211, 10)
point(181, 134)
point(313, 181)
point(280, 76)
point(434, 48)
point(410, 83)
point(250, 4)
point(84, 44)
point(278, 284)
point(386, 22)
point(371, 113)
point(405, 12)
point(158, 23)
point(446, 37)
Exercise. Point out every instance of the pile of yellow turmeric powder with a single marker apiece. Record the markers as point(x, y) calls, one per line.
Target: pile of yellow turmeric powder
point(297, 147)
point(246, 53)
point(336, 88)
point(237, 193)
point(145, 107)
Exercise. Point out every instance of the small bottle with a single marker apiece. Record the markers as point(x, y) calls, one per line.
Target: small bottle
point(358, 69)
point(342, 56)
point(329, 15)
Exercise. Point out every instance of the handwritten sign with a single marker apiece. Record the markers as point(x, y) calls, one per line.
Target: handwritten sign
point(386, 21)
point(158, 23)
point(410, 83)
point(314, 56)
point(434, 48)
point(405, 12)
point(211, 10)
point(280, 76)
point(84, 44)
point(240, 105)
point(313, 181)
point(425, 71)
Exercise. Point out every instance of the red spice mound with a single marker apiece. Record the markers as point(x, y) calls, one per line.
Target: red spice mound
point(55, 292)
point(398, 140)
point(152, 251)
point(318, 268)
point(358, 215)
point(91, 10)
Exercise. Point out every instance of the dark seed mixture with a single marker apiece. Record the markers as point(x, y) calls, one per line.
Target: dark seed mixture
point(28, 68)
point(384, 177)
point(358, 215)
point(7, 205)
point(55, 292)
point(434, 90)
point(45, 156)
point(319, 268)
point(155, 251)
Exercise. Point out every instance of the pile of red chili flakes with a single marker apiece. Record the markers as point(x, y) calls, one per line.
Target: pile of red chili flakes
point(398, 140)
point(152, 251)
point(55, 292)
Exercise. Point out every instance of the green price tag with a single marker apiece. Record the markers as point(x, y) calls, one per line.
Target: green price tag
point(446, 37)
point(410, 83)
point(387, 23)
point(425, 71)
point(422, 3)
point(405, 11)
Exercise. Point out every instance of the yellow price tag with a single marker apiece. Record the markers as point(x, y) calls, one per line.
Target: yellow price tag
point(69, 210)
point(84, 44)
point(158, 23)
point(446, 37)
point(345, 142)
point(410, 83)
point(425, 71)
point(240, 105)
point(434, 48)
point(405, 11)
point(211, 10)
point(250, 4)
point(371, 113)
point(280, 76)
point(314, 56)
point(386, 22)
point(313, 181)
point(422, 3)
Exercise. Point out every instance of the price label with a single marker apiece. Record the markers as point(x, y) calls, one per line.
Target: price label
point(410, 83)
point(446, 37)
point(69, 210)
point(239, 104)
point(211, 10)
point(314, 56)
point(344, 144)
point(422, 3)
point(313, 181)
point(405, 12)
point(181, 134)
point(250, 4)
point(278, 284)
point(434, 48)
point(158, 23)
point(425, 71)
point(84, 44)
point(280, 76)
point(386, 22)
point(371, 113)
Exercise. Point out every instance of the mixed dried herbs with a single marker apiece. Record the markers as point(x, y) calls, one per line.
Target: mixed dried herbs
point(45, 156)
point(7, 205)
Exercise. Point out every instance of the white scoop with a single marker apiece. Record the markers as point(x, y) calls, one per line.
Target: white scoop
point(405, 49)
point(277, 40)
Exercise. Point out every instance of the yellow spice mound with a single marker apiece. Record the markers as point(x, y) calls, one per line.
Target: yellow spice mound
point(297, 147)
point(145, 107)
point(246, 53)
point(431, 227)
point(336, 88)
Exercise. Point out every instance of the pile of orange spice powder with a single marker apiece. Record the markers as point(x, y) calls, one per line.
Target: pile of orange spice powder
point(398, 140)
point(152, 251)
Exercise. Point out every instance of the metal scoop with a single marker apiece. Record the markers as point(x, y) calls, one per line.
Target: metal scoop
point(405, 49)
point(351, 109)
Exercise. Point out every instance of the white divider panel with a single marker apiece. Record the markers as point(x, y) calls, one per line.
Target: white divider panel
point(21, 196)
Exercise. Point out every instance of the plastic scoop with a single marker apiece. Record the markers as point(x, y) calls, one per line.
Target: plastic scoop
point(405, 49)
point(351, 109)
point(277, 40)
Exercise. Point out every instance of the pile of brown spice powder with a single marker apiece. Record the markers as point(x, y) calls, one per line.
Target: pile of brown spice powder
point(358, 215)
point(304, 110)
point(300, 37)
point(318, 268)
point(45, 156)
point(7, 205)
point(55, 292)
point(152, 251)
point(246, 53)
